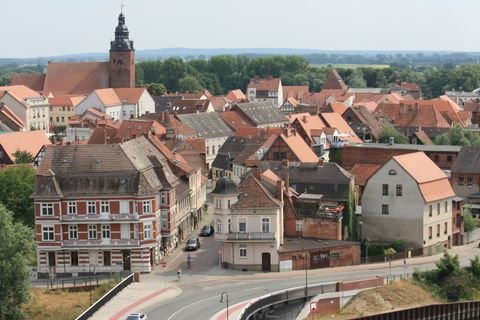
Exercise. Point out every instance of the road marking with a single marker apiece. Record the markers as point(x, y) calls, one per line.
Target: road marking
point(251, 289)
point(189, 305)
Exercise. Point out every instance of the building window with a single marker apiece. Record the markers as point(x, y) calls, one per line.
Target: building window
point(243, 251)
point(265, 225)
point(445, 228)
point(72, 207)
point(436, 158)
point(146, 206)
point(106, 231)
point(163, 198)
point(299, 225)
point(219, 226)
point(208, 150)
point(47, 209)
point(461, 180)
point(385, 209)
point(430, 210)
point(74, 258)
point(392, 172)
point(449, 158)
point(469, 181)
point(213, 150)
point(107, 258)
point(438, 230)
point(48, 233)
point(279, 155)
point(446, 206)
point(384, 189)
point(228, 204)
point(91, 207)
point(242, 225)
point(229, 223)
point(147, 231)
point(73, 232)
point(430, 232)
point(164, 220)
point(438, 208)
point(399, 190)
point(104, 207)
point(334, 255)
point(135, 207)
point(92, 232)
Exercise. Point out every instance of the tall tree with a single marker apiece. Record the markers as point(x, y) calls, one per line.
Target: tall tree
point(156, 89)
point(22, 156)
point(16, 187)
point(16, 248)
point(388, 132)
point(189, 84)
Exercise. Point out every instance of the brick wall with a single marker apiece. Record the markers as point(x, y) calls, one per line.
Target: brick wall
point(328, 306)
point(359, 284)
point(343, 255)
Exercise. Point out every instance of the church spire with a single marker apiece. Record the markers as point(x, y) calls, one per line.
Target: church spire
point(121, 42)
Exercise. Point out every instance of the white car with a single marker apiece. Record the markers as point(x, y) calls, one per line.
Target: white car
point(137, 316)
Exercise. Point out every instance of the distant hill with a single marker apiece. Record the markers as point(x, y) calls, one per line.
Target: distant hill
point(312, 55)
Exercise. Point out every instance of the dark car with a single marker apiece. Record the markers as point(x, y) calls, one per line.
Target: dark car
point(192, 244)
point(207, 230)
point(137, 316)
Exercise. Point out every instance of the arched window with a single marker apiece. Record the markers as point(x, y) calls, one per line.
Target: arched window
point(392, 172)
point(219, 225)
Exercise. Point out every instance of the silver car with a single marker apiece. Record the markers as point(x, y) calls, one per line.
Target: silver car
point(137, 316)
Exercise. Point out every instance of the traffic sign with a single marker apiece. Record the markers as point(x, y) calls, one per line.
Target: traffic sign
point(313, 306)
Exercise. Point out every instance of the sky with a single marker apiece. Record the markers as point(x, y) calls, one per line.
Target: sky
point(32, 28)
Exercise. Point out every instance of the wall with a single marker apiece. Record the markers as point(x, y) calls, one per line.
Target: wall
point(464, 190)
point(91, 101)
point(348, 254)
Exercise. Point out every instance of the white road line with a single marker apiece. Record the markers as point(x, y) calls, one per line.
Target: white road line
point(189, 305)
point(251, 289)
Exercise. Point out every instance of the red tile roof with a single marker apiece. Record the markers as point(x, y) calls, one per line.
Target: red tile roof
point(299, 147)
point(108, 97)
point(34, 81)
point(363, 172)
point(20, 92)
point(413, 114)
point(296, 92)
point(67, 100)
point(338, 107)
point(236, 96)
point(30, 141)
point(235, 120)
point(423, 137)
point(334, 81)
point(76, 77)
point(265, 84)
point(129, 95)
point(252, 194)
point(9, 117)
point(334, 120)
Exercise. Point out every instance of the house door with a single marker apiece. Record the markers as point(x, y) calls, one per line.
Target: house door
point(266, 264)
point(51, 259)
point(126, 260)
point(124, 207)
point(125, 231)
point(93, 257)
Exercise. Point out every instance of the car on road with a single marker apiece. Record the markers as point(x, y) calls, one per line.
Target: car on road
point(192, 244)
point(137, 316)
point(207, 230)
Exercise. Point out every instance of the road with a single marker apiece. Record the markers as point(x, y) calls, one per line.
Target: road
point(201, 300)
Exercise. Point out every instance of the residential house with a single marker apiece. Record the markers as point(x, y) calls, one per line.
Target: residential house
point(409, 199)
point(295, 92)
point(137, 99)
point(465, 172)
point(346, 133)
point(236, 96)
point(80, 127)
point(222, 166)
point(208, 125)
point(62, 108)
point(9, 121)
point(261, 114)
point(363, 123)
point(29, 106)
point(334, 82)
point(33, 142)
point(186, 106)
point(220, 103)
point(289, 146)
point(410, 88)
point(249, 222)
point(378, 153)
point(127, 130)
point(312, 129)
point(235, 120)
point(110, 207)
point(269, 90)
point(462, 98)
point(474, 108)
point(289, 106)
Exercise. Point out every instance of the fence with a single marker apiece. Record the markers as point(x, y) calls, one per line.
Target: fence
point(77, 282)
point(107, 297)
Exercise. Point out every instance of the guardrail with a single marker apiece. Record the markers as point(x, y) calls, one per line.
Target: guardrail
point(106, 297)
point(77, 282)
point(285, 295)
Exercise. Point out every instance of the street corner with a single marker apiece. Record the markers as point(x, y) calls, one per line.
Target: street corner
point(232, 311)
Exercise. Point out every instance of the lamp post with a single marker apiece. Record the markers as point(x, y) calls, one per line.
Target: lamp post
point(305, 266)
point(91, 268)
point(224, 294)
point(367, 242)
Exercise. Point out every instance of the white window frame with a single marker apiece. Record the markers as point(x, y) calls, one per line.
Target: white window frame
point(72, 207)
point(92, 230)
point(135, 207)
point(72, 232)
point(91, 205)
point(265, 225)
point(240, 222)
point(147, 231)
point(48, 230)
point(218, 226)
point(104, 207)
point(299, 225)
point(106, 231)
point(164, 220)
point(46, 209)
point(163, 198)
point(242, 251)
point(147, 206)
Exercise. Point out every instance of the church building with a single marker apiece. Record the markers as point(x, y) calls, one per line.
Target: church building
point(82, 78)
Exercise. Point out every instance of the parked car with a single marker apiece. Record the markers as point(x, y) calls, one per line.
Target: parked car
point(137, 316)
point(207, 230)
point(192, 244)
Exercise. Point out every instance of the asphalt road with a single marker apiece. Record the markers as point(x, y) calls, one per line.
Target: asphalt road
point(201, 300)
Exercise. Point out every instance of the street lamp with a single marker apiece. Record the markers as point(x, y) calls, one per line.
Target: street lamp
point(91, 268)
point(305, 266)
point(367, 242)
point(224, 294)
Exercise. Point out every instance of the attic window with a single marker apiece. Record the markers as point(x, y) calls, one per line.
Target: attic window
point(392, 172)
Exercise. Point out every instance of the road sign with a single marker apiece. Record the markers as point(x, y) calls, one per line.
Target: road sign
point(163, 264)
point(313, 306)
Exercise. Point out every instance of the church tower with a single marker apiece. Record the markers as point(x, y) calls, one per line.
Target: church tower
point(122, 57)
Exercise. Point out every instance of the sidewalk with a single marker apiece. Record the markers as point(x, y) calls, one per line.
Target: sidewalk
point(150, 290)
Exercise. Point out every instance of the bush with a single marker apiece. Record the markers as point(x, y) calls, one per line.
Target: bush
point(457, 287)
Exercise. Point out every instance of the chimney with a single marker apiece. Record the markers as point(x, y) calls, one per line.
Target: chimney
point(286, 179)
point(305, 118)
point(279, 190)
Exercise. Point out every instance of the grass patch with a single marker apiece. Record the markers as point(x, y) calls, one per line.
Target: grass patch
point(62, 304)
point(351, 66)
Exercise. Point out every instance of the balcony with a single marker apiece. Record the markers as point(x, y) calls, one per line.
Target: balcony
point(99, 217)
point(102, 243)
point(248, 236)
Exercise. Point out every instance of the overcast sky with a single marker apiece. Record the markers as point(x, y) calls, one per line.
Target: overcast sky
point(31, 28)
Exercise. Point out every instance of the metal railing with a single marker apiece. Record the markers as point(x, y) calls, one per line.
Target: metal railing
point(76, 282)
point(106, 297)
point(250, 236)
